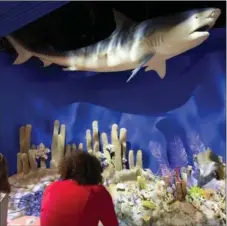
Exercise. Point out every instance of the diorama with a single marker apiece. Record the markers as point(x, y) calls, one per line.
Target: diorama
point(160, 137)
point(174, 197)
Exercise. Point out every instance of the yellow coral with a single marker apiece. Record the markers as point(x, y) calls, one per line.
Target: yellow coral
point(146, 218)
point(148, 204)
point(195, 192)
point(141, 182)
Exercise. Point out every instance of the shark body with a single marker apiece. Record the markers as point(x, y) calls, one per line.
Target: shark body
point(132, 45)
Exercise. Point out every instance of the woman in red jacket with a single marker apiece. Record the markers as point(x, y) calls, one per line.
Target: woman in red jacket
point(78, 199)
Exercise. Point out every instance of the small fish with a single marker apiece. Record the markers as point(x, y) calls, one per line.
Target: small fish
point(210, 166)
point(132, 45)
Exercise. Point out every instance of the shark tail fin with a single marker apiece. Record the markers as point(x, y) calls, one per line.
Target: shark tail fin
point(23, 53)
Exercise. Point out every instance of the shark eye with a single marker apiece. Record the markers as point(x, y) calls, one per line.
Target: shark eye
point(196, 17)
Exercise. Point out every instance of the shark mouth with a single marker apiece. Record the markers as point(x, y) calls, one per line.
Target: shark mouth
point(203, 28)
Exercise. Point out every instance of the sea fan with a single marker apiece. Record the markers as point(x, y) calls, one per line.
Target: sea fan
point(177, 155)
point(195, 143)
point(164, 170)
point(157, 151)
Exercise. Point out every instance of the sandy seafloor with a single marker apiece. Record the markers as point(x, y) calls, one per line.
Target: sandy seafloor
point(27, 191)
point(25, 197)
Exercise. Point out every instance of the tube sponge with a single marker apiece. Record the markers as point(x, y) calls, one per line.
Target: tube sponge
point(58, 144)
point(74, 148)
point(89, 141)
point(115, 151)
point(25, 163)
point(32, 159)
point(68, 150)
point(95, 135)
point(92, 141)
point(105, 144)
point(19, 163)
point(125, 175)
point(139, 159)
point(123, 136)
point(81, 147)
point(131, 159)
point(117, 147)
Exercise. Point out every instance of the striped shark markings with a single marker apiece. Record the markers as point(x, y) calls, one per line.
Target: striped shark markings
point(132, 45)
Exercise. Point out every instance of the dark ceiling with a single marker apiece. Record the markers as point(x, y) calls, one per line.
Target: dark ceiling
point(78, 24)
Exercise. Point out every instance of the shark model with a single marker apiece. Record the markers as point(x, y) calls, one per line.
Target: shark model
point(132, 45)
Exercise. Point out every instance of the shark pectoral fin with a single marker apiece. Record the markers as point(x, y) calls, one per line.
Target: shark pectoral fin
point(160, 68)
point(143, 62)
point(70, 69)
point(46, 63)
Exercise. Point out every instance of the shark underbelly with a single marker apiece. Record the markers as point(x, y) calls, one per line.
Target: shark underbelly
point(111, 62)
point(101, 67)
point(105, 62)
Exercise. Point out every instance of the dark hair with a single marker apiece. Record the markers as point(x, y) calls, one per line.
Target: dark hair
point(82, 167)
point(4, 183)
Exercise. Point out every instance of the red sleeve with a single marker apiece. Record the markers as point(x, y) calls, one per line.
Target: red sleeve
point(107, 215)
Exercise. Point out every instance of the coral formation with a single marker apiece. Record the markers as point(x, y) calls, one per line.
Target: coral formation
point(22, 157)
point(113, 154)
point(41, 153)
point(58, 144)
point(140, 197)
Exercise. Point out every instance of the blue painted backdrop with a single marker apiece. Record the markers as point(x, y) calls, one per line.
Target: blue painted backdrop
point(168, 119)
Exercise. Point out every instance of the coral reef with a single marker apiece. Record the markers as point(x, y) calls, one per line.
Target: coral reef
point(148, 200)
point(140, 197)
point(114, 154)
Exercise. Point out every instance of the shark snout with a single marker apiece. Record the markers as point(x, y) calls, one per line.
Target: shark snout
point(215, 13)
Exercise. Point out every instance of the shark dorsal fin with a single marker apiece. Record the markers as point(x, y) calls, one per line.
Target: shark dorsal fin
point(121, 20)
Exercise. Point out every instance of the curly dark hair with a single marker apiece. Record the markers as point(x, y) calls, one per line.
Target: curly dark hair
point(4, 183)
point(82, 167)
